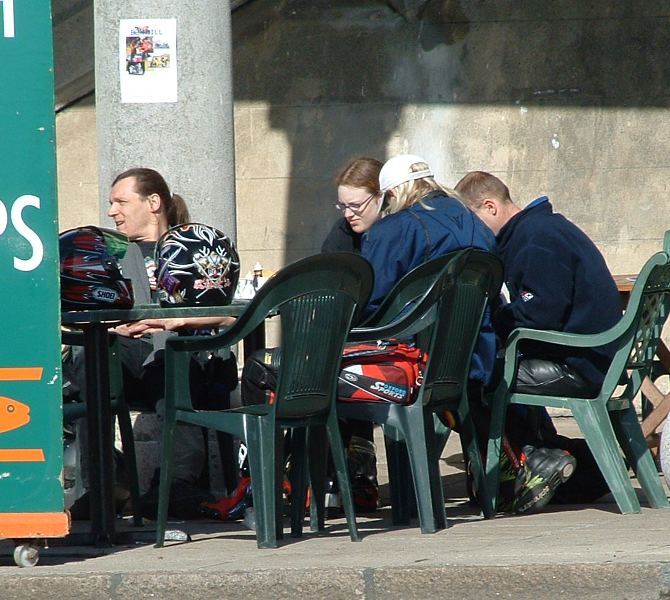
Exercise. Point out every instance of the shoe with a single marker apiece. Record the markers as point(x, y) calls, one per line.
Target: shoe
point(542, 471)
point(365, 493)
point(510, 465)
point(362, 462)
point(509, 469)
point(230, 508)
point(506, 487)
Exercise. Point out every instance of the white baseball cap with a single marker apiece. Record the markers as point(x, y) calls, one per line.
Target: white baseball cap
point(396, 170)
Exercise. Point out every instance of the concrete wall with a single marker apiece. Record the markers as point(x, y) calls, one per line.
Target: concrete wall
point(73, 49)
point(77, 165)
point(563, 98)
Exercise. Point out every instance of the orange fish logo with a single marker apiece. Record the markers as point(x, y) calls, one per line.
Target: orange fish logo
point(13, 414)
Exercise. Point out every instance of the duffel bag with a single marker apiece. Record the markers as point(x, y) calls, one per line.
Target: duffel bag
point(383, 371)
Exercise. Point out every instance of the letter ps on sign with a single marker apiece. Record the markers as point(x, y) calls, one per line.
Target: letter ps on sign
point(7, 28)
point(16, 216)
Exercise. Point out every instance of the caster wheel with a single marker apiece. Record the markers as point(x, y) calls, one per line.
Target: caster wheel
point(26, 555)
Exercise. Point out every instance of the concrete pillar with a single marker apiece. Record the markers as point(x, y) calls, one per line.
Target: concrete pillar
point(189, 141)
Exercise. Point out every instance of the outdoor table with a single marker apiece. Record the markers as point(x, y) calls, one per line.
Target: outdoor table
point(95, 325)
point(659, 400)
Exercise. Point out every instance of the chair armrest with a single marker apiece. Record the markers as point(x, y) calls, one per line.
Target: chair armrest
point(397, 329)
point(560, 338)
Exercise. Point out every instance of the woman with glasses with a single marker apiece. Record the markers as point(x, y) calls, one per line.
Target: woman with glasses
point(359, 202)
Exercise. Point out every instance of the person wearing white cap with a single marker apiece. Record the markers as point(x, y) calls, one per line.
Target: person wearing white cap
point(422, 219)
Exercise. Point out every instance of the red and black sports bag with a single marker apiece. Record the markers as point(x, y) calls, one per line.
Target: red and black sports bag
point(384, 371)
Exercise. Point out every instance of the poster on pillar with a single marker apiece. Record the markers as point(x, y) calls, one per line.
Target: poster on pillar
point(148, 60)
point(31, 433)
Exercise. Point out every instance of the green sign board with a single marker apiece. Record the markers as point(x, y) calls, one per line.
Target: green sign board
point(30, 367)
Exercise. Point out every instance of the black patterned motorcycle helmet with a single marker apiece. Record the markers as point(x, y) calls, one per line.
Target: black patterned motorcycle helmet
point(90, 273)
point(197, 265)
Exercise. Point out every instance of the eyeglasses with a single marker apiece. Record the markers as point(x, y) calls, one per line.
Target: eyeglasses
point(357, 208)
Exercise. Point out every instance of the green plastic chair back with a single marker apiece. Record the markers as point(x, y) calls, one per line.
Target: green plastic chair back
point(644, 318)
point(314, 327)
point(317, 299)
point(608, 421)
point(450, 311)
point(408, 290)
point(460, 315)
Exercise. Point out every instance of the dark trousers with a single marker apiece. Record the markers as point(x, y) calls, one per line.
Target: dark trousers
point(533, 425)
point(211, 380)
point(551, 378)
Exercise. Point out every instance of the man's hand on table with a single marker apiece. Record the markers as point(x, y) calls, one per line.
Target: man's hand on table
point(137, 329)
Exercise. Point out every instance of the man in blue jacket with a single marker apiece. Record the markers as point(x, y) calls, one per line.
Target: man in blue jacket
point(557, 280)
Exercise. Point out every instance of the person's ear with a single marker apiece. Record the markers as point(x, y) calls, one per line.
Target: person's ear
point(490, 205)
point(154, 201)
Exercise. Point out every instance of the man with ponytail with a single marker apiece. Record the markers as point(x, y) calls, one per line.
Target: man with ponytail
point(143, 208)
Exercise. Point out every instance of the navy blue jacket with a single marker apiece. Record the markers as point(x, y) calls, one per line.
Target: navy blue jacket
point(435, 226)
point(558, 280)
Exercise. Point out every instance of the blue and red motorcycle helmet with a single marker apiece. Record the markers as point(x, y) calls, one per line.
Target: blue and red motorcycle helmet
point(90, 273)
point(197, 265)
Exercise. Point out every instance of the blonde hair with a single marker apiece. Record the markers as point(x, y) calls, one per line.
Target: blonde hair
point(409, 193)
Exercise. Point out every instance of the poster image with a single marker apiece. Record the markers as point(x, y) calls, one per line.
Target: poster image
point(148, 60)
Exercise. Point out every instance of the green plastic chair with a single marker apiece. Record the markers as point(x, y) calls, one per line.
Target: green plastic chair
point(77, 410)
point(317, 300)
point(410, 289)
point(608, 421)
point(404, 293)
point(447, 318)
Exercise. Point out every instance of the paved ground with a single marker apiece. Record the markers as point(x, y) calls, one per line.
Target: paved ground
point(565, 552)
